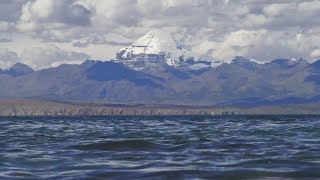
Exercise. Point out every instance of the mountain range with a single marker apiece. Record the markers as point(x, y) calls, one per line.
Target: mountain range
point(241, 82)
point(146, 73)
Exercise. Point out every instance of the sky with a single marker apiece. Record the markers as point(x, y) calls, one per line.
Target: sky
point(46, 33)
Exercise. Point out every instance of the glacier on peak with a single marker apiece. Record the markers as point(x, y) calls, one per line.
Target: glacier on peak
point(158, 49)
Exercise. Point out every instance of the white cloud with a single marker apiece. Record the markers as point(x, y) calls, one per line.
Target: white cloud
point(315, 54)
point(8, 58)
point(263, 29)
point(278, 9)
point(3, 26)
point(309, 7)
point(50, 55)
point(54, 20)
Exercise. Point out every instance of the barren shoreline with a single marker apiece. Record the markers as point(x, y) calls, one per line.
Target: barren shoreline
point(54, 108)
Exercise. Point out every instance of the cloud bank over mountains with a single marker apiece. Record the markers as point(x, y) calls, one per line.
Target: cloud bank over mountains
point(44, 33)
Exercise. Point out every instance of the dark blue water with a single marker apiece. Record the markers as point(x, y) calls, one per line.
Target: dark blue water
point(235, 147)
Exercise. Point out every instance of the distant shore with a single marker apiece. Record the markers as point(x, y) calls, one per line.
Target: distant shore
point(56, 108)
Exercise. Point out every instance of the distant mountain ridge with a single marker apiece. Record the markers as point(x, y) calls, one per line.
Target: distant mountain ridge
point(17, 69)
point(241, 82)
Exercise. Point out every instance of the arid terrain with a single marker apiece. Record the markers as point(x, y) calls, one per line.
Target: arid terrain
point(55, 108)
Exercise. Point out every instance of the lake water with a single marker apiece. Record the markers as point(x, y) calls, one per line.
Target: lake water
point(231, 147)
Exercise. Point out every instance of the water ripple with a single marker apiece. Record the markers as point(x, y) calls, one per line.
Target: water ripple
point(234, 147)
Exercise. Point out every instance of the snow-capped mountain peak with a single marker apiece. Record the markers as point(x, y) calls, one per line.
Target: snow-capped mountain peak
point(158, 49)
point(157, 41)
point(154, 43)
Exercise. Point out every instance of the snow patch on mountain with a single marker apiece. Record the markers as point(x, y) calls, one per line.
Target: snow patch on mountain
point(289, 62)
point(256, 61)
point(241, 59)
point(298, 61)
